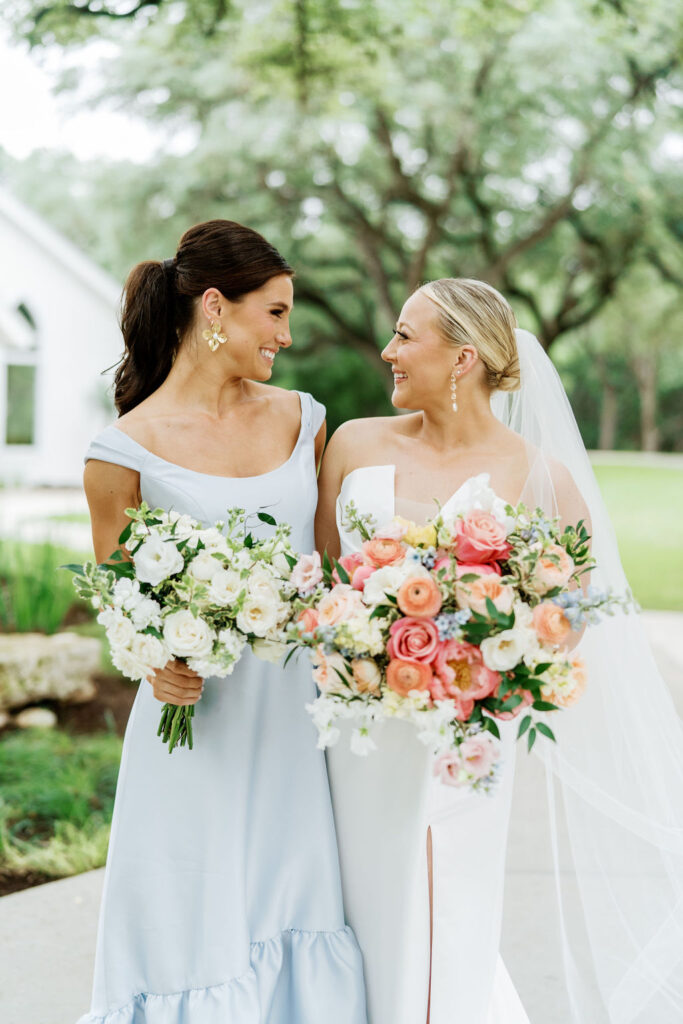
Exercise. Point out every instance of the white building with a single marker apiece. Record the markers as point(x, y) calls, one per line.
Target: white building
point(58, 332)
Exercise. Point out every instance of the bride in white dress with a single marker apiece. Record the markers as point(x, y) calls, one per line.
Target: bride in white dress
point(423, 863)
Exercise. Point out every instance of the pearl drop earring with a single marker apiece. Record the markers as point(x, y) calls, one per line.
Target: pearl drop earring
point(454, 374)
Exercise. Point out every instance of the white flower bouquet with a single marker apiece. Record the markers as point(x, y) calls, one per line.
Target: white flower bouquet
point(193, 593)
point(452, 625)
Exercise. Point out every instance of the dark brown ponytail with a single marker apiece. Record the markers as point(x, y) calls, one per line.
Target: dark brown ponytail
point(158, 298)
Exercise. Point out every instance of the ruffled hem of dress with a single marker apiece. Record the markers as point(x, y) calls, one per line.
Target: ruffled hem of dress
point(306, 974)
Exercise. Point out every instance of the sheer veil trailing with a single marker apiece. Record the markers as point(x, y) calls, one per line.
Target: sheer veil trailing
point(615, 777)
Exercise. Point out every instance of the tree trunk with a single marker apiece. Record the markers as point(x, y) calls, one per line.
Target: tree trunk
point(645, 370)
point(609, 416)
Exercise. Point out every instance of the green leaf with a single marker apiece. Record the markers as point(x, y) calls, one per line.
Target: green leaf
point(531, 739)
point(291, 560)
point(542, 727)
point(544, 705)
point(125, 533)
point(78, 569)
point(248, 541)
point(327, 566)
point(490, 724)
point(491, 608)
point(266, 518)
point(469, 577)
point(523, 726)
point(341, 572)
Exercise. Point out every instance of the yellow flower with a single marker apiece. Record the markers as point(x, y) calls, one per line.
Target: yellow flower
point(421, 536)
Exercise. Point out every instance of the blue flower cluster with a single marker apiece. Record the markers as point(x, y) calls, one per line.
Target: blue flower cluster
point(429, 558)
point(449, 624)
point(580, 607)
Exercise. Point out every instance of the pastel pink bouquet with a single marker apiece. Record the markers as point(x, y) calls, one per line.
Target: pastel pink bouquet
point(454, 625)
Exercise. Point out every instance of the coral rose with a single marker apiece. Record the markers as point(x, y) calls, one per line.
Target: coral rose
point(419, 597)
point(553, 569)
point(307, 620)
point(404, 675)
point(349, 564)
point(340, 604)
point(479, 537)
point(551, 624)
point(413, 639)
point(487, 585)
point(381, 551)
point(462, 671)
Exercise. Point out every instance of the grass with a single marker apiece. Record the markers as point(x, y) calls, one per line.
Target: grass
point(57, 800)
point(645, 505)
point(35, 594)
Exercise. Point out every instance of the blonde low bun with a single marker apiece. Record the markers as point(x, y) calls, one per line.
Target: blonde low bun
point(472, 312)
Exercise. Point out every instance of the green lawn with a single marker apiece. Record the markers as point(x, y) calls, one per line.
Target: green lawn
point(646, 503)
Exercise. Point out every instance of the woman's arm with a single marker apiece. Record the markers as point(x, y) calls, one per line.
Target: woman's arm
point(332, 472)
point(110, 490)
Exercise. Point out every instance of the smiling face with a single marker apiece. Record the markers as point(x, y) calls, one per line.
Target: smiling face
point(256, 326)
point(421, 359)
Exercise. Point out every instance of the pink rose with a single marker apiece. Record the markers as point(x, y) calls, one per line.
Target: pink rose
point(340, 604)
point(479, 537)
point(553, 569)
point(551, 624)
point(356, 570)
point(404, 675)
point(527, 699)
point(381, 551)
point(479, 754)
point(461, 669)
point(307, 620)
point(413, 639)
point(447, 769)
point(307, 572)
point(419, 597)
point(361, 575)
point(487, 585)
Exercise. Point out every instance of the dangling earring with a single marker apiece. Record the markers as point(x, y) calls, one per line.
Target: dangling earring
point(454, 402)
point(214, 335)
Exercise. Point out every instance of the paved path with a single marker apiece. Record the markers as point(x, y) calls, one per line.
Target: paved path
point(47, 934)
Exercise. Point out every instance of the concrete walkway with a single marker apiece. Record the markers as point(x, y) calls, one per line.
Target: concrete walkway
point(47, 934)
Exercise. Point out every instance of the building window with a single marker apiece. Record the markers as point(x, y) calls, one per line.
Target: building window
point(21, 394)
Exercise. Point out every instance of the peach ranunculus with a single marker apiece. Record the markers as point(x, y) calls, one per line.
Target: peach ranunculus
point(413, 639)
point(326, 669)
point(487, 585)
point(307, 620)
point(419, 597)
point(479, 537)
point(340, 604)
point(553, 569)
point(404, 675)
point(551, 624)
point(307, 572)
point(381, 551)
point(527, 700)
point(366, 676)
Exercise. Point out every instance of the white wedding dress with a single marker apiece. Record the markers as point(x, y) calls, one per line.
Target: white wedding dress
point(386, 806)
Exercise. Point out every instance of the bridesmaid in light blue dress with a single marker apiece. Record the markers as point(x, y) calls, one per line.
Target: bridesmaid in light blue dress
point(222, 901)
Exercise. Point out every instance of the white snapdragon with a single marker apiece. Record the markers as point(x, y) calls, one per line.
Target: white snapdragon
point(362, 742)
point(232, 641)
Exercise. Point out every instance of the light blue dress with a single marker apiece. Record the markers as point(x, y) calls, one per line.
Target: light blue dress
point(222, 899)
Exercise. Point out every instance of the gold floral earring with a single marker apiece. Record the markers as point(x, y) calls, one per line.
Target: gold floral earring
point(214, 335)
point(454, 373)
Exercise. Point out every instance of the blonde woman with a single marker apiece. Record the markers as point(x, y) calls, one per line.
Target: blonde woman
point(423, 863)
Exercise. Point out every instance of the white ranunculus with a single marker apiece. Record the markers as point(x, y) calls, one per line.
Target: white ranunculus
point(505, 650)
point(232, 641)
point(226, 586)
point(258, 615)
point(203, 566)
point(120, 630)
point(150, 650)
point(269, 650)
point(187, 636)
point(157, 559)
point(389, 580)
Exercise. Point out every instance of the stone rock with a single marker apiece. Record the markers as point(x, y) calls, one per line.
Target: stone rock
point(35, 667)
point(4, 719)
point(35, 718)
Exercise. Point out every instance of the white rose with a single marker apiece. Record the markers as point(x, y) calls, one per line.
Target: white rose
point(258, 615)
point(269, 650)
point(150, 650)
point(187, 636)
point(203, 567)
point(505, 650)
point(213, 540)
point(120, 629)
point(261, 585)
point(225, 587)
point(157, 559)
point(389, 580)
